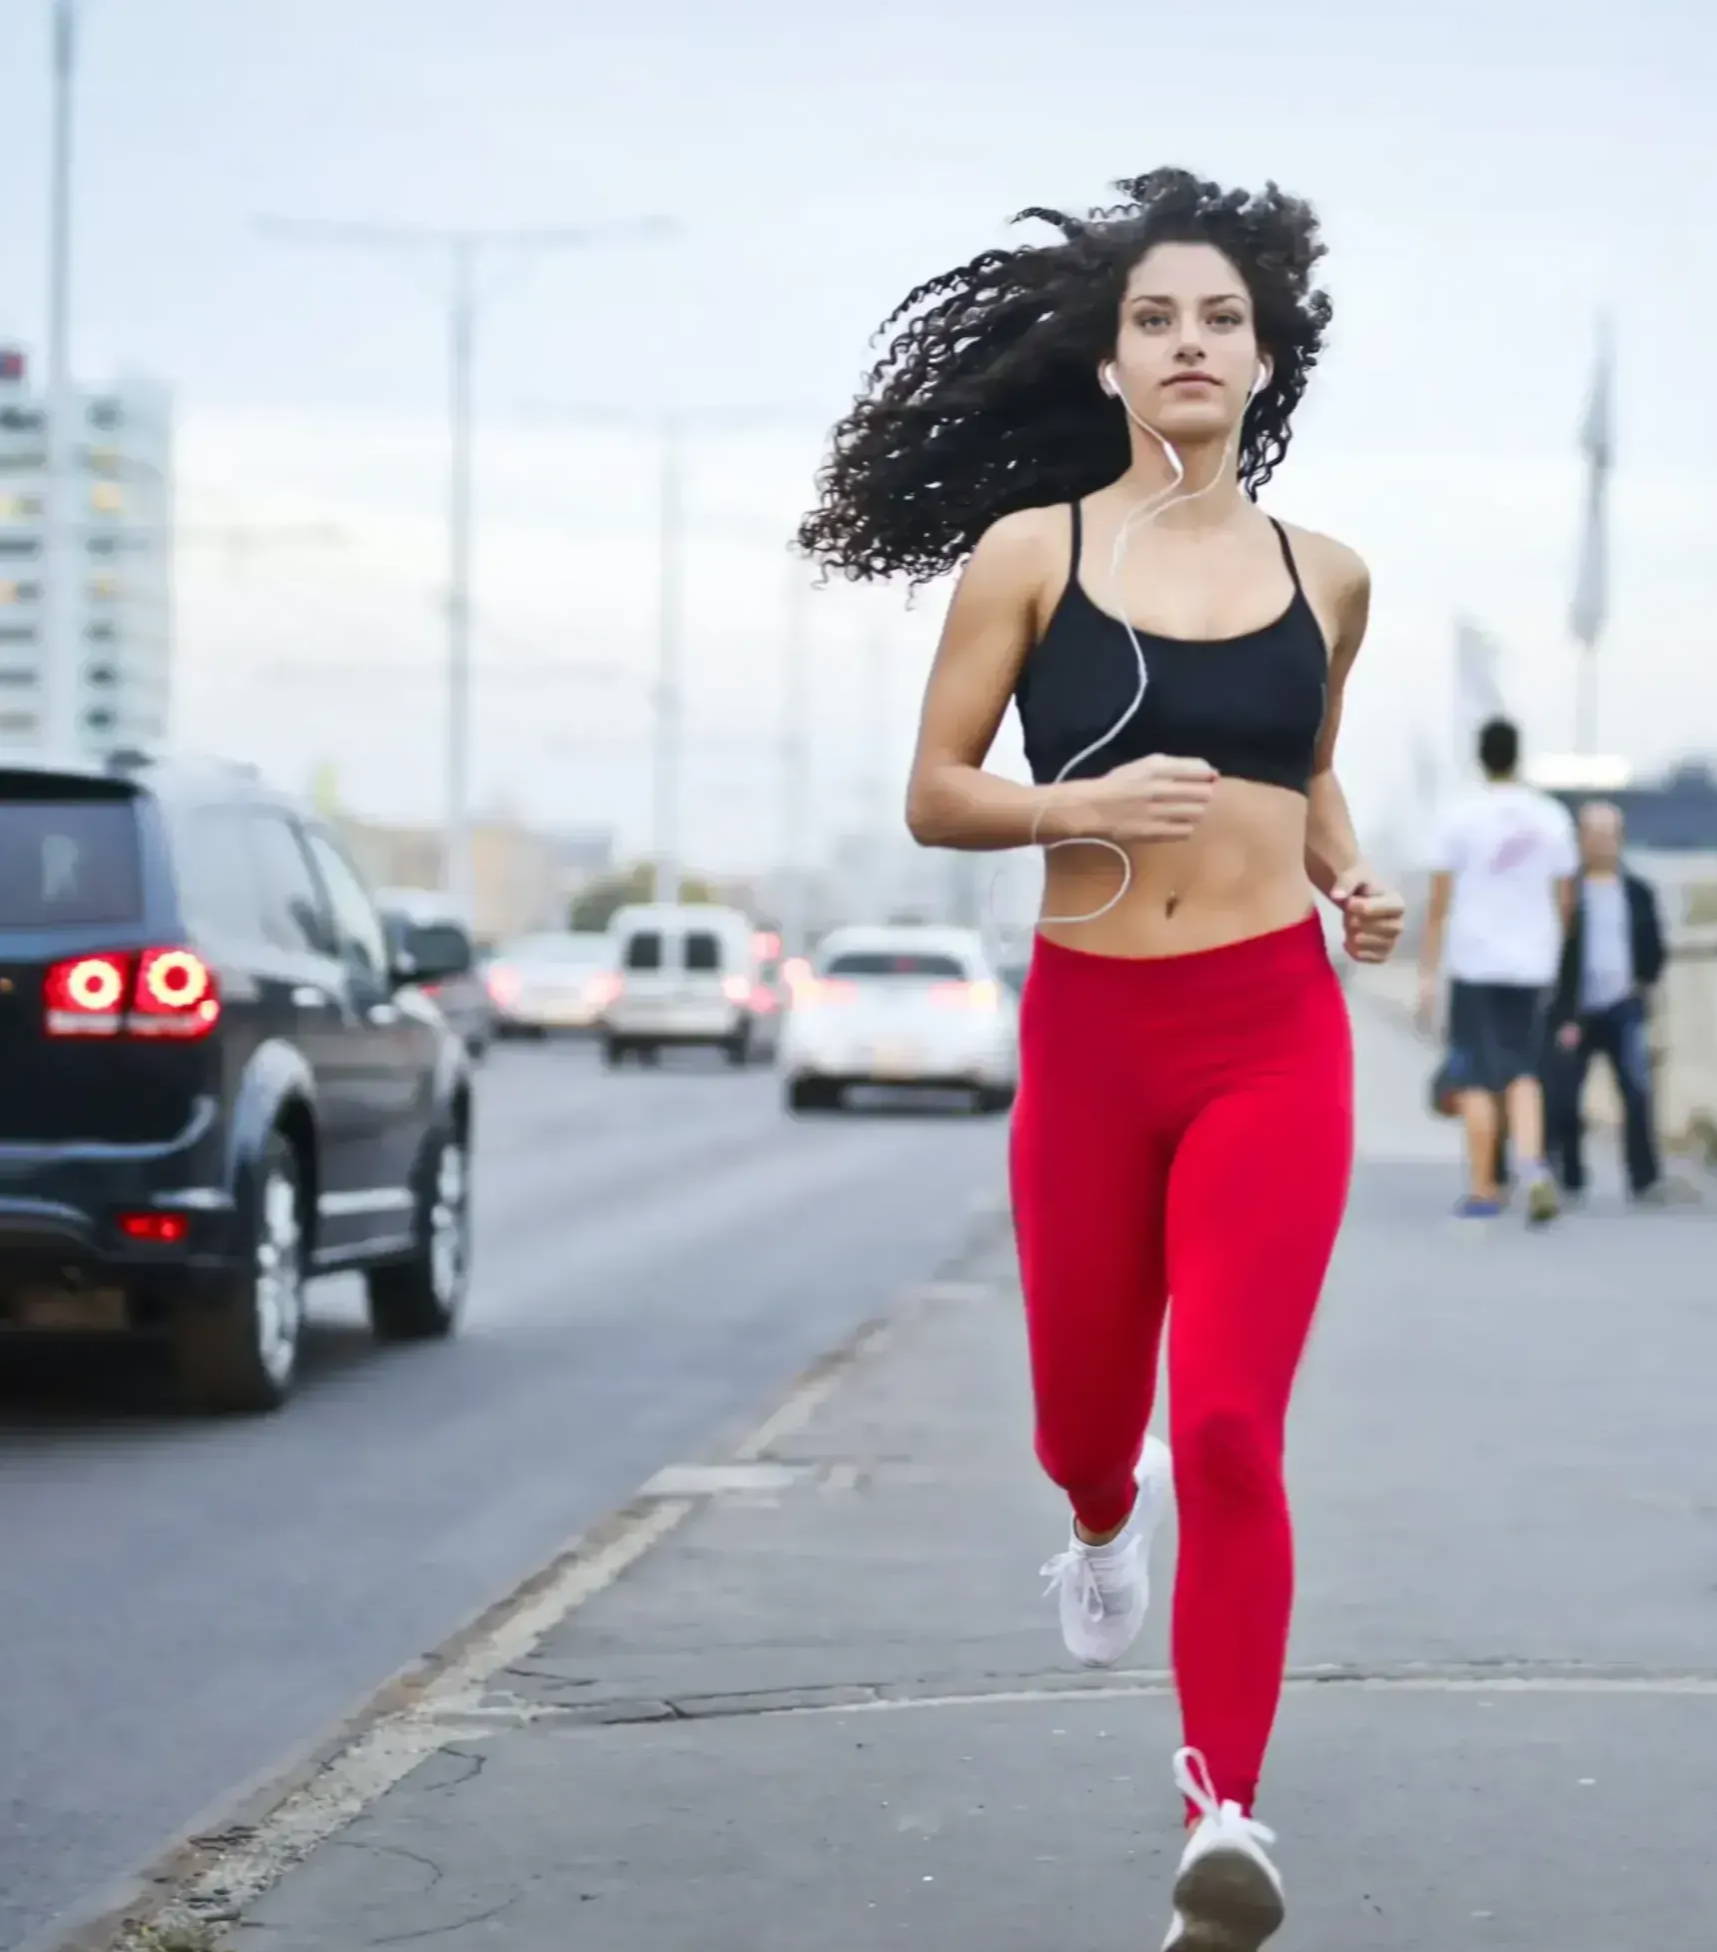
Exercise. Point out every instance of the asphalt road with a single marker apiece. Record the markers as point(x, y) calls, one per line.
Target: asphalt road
point(186, 1602)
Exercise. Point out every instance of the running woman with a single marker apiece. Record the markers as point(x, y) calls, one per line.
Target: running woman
point(1081, 426)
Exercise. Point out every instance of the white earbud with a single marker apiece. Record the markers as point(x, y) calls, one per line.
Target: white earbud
point(1262, 381)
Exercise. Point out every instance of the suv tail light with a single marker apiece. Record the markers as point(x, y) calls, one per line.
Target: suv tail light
point(163, 993)
point(605, 989)
point(86, 996)
point(157, 1228)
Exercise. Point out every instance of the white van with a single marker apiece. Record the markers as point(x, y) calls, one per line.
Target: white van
point(688, 974)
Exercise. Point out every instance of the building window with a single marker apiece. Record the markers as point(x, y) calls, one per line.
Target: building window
point(16, 674)
point(105, 413)
point(20, 545)
point(22, 420)
point(99, 720)
point(104, 545)
point(107, 498)
point(103, 587)
point(17, 633)
point(20, 723)
point(20, 592)
point(103, 674)
point(12, 507)
point(101, 633)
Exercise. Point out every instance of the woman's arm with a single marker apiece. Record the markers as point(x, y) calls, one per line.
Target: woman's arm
point(951, 801)
point(1332, 847)
point(1372, 915)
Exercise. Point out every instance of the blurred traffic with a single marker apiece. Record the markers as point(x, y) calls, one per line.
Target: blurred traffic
point(234, 1070)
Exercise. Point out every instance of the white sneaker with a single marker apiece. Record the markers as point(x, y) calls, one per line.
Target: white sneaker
point(1105, 1590)
point(1228, 1896)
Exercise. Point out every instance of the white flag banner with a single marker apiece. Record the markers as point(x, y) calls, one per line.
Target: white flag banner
point(1597, 443)
point(1478, 685)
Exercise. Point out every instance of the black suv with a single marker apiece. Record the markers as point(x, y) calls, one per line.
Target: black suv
point(217, 1076)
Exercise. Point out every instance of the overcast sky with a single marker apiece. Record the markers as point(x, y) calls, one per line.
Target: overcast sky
point(1490, 176)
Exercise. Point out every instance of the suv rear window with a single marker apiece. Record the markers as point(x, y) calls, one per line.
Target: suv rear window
point(889, 962)
point(69, 863)
point(644, 950)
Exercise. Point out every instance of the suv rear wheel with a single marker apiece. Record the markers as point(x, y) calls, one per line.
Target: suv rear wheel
point(421, 1298)
point(240, 1352)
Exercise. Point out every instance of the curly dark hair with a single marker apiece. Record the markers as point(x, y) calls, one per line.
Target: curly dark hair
point(987, 400)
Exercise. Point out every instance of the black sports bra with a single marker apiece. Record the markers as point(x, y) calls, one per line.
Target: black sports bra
point(1252, 706)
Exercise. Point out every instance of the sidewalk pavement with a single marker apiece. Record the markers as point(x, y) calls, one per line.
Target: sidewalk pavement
point(831, 1710)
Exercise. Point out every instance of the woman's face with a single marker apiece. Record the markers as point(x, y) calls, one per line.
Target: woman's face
point(1186, 352)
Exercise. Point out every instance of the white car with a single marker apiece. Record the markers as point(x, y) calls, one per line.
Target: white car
point(688, 973)
point(904, 1004)
point(552, 981)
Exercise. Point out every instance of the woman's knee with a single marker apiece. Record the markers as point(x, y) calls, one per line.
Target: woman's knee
point(1228, 1454)
point(1098, 1481)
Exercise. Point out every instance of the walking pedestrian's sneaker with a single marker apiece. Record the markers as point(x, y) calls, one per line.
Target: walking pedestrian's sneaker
point(1474, 1207)
point(1228, 1896)
point(1105, 1590)
point(1543, 1202)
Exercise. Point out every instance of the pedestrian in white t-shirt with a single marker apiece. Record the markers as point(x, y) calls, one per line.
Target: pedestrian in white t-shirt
point(1501, 899)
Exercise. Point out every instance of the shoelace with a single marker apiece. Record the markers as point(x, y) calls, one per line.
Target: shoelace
point(1075, 1570)
point(1193, 1779)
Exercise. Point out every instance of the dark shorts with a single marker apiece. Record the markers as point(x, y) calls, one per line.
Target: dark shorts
point(1496, 1033)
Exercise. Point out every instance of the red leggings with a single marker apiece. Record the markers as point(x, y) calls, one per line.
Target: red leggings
point(1185, 1126)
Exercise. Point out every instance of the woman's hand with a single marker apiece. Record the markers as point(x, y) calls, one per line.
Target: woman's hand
point(1159, 798)
point(1372, 916)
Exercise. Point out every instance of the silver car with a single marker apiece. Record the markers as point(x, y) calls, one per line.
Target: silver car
point(554, 980)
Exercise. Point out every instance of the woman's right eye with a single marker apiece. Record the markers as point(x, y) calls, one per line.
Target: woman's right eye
point(1150, 319)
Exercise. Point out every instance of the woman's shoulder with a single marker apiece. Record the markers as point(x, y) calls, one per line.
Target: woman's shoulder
point(1338, 570)
point(1024, 556)
point(1028, 535)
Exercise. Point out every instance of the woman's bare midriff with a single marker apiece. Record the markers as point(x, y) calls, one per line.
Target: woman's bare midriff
point(1241, 874)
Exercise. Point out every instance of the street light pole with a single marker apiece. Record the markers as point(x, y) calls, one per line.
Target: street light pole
point(795, 760)
point(61, 665)
point(456, 866)
point(465, 249)
point(670, 636)
point(673, 431)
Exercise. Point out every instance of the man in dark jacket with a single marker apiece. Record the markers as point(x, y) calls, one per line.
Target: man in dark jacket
point(1613, 956)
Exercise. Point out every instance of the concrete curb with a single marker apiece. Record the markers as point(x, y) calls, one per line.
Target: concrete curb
point(185, 1894)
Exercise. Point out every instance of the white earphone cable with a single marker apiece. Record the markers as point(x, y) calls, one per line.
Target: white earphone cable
point(1141, 514)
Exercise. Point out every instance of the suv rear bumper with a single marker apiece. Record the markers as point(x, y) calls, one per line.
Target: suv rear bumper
point(60, 1208)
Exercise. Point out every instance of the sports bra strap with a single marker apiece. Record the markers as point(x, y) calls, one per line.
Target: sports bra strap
point(1288, 555)
point(1078, 539)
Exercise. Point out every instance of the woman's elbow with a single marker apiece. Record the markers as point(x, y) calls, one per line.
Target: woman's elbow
point(927, 810)
point(923, 818)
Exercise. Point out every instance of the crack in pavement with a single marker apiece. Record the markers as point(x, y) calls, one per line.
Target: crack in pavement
point(453, 1925)
point(1491, 1675)
point(393, 1850)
